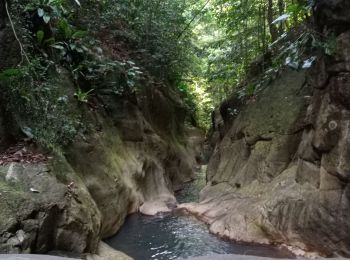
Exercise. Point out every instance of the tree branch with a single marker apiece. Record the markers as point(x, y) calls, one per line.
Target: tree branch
point(194, 18)
point(23, 53)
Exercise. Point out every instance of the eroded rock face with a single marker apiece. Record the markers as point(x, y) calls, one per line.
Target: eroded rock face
point(281, 173)
point(133, 155)
point(332, 14)
point(39, 213)
point(250, 173)
point(122, 164)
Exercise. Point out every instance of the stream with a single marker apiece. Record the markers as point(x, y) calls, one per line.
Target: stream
point(178, 236)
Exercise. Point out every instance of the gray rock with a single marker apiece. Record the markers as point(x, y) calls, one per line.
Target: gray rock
point(83, 195)
point(281, 173)
point(105, 252)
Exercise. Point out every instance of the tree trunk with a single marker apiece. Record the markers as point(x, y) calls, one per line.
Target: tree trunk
point(281, 9)
point(270, 19)
point(3, 14)
point(295, 16)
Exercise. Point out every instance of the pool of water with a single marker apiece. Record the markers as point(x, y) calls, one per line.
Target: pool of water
point(180, 236)
point(190, 191)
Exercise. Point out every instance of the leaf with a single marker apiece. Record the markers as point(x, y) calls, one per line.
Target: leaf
point(57, 46)
point(80, 50)
point(72, 46)
point(29, 7)
point(83, 96)
point(79, 35)
point(40, 12)
point(78, 3)
point(50, 41)
point(308, 63)
point(46, 18)
point(34, 190)
point(64, 27)
point(291, 63)
point(28, 132)
point(282, 18)
point(9, 73)
point(99, 50)
point(40, 36)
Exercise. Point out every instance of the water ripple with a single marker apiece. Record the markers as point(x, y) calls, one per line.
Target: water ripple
point(179, 237)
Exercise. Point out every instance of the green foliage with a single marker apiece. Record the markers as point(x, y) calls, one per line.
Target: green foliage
point(40, 36)
point(40, 105)
point(188, 97)
point(299, 11)
point(197, 102)
point(33, 92)
point(204, 49)
point(246, 32)
point(9, 73)
point(46, 9)
point(83, 96)
point(157, 27)
point(328, 44)
point(250, 90)
point(241, 46)
point(63, 35)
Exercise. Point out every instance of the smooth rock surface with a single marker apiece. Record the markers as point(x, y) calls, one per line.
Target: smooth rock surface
point(281, 172)
point(105, 252)
point(84, 193)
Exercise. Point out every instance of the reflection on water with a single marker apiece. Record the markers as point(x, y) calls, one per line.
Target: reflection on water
point(173, 236)
point(190, 191)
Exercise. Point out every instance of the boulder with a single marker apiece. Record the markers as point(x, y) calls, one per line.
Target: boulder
point(39, 213)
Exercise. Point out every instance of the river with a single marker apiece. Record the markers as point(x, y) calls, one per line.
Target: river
point(180, 236)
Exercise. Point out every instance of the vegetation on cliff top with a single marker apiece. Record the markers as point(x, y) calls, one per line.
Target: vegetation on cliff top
point(139, 41)
point(203, 49)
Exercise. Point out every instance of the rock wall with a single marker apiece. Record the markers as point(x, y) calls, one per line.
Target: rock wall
point(281, 173)
point(132, 155)
point(134, 152)
point(83, 194)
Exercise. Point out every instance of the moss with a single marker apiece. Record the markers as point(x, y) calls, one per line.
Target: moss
point(43, 107)
point(277, 107)
point(262, 148)
point(10, 199)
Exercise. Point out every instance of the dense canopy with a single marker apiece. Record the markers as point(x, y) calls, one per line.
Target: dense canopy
point(205, 50)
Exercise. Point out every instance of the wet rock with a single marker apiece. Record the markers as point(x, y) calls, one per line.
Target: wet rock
point(152, 208)
point(105, 252)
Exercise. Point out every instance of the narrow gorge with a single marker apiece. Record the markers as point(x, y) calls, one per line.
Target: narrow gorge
point(117, 127)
